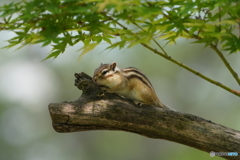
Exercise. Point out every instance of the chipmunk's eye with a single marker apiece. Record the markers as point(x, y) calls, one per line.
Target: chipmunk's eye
point(104, 72)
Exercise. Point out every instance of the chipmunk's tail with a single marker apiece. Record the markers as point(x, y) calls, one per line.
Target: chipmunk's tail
point(163, 106)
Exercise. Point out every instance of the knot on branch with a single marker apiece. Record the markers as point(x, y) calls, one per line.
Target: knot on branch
point(91, 90)
point(85, 83)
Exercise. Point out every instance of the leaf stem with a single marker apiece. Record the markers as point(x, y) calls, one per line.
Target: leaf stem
point(234, 74)
point(152, 38)
point(220, 54)
point(214, 47)
point(191, 70)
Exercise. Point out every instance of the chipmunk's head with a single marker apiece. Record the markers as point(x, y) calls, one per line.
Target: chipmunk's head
point(106, 74)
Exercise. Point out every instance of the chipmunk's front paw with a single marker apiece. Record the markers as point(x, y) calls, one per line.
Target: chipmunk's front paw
point(137, 103)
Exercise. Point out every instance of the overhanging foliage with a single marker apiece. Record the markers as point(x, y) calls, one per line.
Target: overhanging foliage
point(68, 22)
point(125, 23)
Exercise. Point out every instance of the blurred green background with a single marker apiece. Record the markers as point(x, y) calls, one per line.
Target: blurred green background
point(28, 85)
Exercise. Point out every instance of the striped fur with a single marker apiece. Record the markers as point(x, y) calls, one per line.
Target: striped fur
point(132, 72)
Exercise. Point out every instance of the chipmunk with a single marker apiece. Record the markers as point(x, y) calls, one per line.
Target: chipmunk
point(129, 83)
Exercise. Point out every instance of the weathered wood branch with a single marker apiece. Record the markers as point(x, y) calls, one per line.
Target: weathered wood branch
point(96, 110)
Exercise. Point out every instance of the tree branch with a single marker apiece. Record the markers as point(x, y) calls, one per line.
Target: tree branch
point(96, 110)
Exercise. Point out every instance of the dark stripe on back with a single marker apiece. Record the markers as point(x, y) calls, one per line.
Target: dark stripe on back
point(134, 76)
point(140, 73)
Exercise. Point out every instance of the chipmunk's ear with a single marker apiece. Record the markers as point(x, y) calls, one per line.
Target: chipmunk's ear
point(113, 66)
point(101, 64)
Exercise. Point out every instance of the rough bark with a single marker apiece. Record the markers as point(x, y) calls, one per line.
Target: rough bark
point(96, 110)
